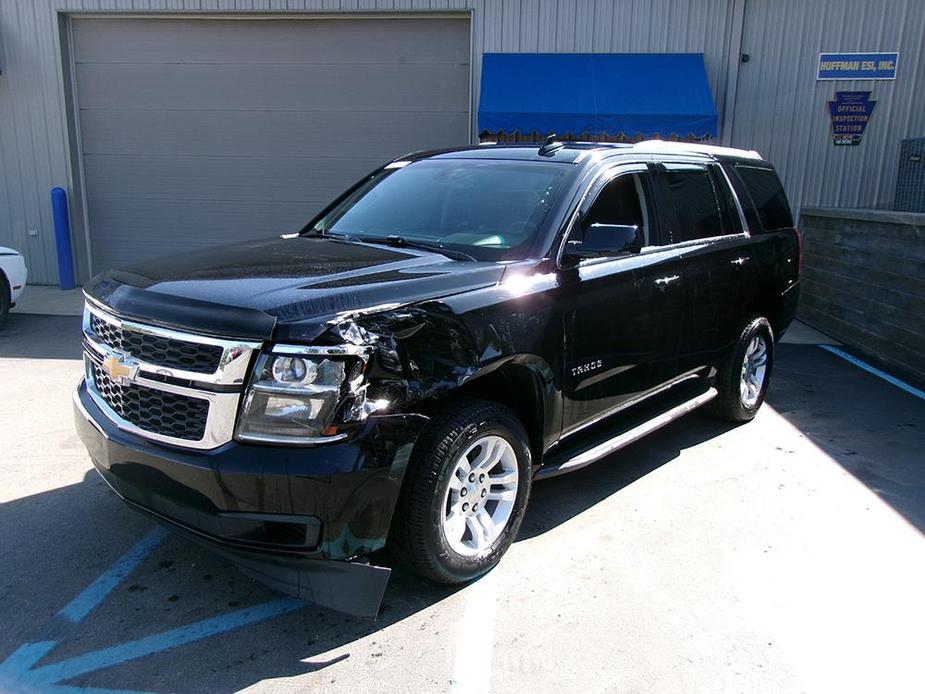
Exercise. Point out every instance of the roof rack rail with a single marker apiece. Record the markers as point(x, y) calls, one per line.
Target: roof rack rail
point(698, 147)
point(597, 143)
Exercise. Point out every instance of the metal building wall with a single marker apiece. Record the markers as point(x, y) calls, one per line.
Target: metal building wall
point(781, 109)
point(36, 150)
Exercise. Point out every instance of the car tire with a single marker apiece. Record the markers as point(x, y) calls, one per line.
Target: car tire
point(5, 297)
point(742, 380)
point(471, 463)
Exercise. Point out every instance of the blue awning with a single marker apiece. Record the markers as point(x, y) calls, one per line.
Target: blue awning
point(653, 94)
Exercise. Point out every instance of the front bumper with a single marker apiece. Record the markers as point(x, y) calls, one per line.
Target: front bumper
point(295, 518)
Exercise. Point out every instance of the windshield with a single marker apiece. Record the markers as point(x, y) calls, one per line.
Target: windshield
point(489, 209)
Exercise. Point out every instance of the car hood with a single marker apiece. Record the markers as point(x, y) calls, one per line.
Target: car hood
point(287, 288)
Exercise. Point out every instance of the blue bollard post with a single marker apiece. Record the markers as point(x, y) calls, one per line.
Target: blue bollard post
point(63, 238)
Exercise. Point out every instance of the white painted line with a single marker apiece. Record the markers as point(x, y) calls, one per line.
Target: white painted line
point(475, 641)
point(875, 371)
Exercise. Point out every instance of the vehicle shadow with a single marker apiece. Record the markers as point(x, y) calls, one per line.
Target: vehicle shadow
point(76, 531)
point(58, 542)
point(28, 336)
point(556, 500)
point(874, 430)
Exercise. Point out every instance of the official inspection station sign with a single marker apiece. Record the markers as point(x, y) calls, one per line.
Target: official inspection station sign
point(850, 112)
point(857, 66)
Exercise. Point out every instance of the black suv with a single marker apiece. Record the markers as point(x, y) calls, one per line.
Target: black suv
point(455, 326)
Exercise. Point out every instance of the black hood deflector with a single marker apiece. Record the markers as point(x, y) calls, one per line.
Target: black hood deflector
point(181, 312)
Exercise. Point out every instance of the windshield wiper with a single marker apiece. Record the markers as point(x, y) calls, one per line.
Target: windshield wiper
point(402, 242)
point(395, 241)
point(321, 233)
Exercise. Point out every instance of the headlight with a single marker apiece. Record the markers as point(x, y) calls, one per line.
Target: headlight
point(302, 394)
point(293, 370)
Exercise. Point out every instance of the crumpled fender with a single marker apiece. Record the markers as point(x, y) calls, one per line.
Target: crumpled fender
point(429, 349)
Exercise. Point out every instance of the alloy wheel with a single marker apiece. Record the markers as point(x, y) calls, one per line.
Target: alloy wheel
point(754, 369)
point(480, 494)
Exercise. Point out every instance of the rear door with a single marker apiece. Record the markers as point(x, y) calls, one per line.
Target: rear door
point(774, 242)
point(706, 227)
point(625, 314)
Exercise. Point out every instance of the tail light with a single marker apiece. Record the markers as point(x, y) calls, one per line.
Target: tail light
point(799, 252)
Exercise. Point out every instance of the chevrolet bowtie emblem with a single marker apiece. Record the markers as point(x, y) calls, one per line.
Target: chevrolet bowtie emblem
point(120, 367)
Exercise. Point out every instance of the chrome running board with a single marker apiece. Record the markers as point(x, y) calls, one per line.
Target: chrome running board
point(604, 449)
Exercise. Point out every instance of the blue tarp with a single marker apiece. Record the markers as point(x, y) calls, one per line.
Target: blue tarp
point(599, 93)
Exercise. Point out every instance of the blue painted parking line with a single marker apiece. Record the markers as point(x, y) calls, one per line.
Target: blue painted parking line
point(19, 674)
point(24, 658)
point(131, 650)
point(96, 592)
point(875, 371)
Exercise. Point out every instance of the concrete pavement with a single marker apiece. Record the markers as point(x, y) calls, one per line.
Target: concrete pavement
point(48, 300)
point(784, 555)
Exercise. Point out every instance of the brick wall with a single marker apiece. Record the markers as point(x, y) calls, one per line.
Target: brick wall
point(864, 282)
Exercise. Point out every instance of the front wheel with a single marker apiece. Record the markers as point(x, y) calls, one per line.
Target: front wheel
point(743, 379)
point(464, 493)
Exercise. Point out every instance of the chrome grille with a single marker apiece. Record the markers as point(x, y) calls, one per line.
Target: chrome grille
point(166, 385)
point(109, 333)
point(155, 349)
point(158, 412)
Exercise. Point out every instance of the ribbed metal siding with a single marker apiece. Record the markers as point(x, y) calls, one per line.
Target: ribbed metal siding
point(781, 109)
point(198, 132)
point(34, 146)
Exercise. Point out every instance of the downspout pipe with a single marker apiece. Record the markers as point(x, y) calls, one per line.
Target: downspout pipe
point(734, 63)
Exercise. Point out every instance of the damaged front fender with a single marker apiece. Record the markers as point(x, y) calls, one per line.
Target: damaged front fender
point(427, 350)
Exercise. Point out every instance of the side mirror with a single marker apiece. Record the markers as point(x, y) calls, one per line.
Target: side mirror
point(604, 240)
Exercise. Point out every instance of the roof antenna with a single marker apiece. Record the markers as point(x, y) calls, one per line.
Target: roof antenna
point(550, 146)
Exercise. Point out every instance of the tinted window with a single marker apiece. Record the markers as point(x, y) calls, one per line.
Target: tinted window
point(696, 207)
point(768, 196)
point(621, 201)
point(489, 209)
point(732, 222)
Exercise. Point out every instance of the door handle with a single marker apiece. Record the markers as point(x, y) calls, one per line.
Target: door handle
point(739, 262)
point(665, 281)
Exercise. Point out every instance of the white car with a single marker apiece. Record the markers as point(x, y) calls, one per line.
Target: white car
point(12, 280)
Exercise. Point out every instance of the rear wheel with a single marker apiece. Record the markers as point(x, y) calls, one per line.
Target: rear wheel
point(743, 379)
point(464, 493)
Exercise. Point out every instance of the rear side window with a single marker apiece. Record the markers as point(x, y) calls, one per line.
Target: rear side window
point(768, 197)
point(691, 191)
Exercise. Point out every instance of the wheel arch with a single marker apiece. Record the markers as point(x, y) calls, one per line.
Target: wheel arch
point(524, 384)
point(770, 305)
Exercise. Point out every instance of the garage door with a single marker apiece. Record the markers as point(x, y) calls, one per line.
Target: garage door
point(196, 132)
